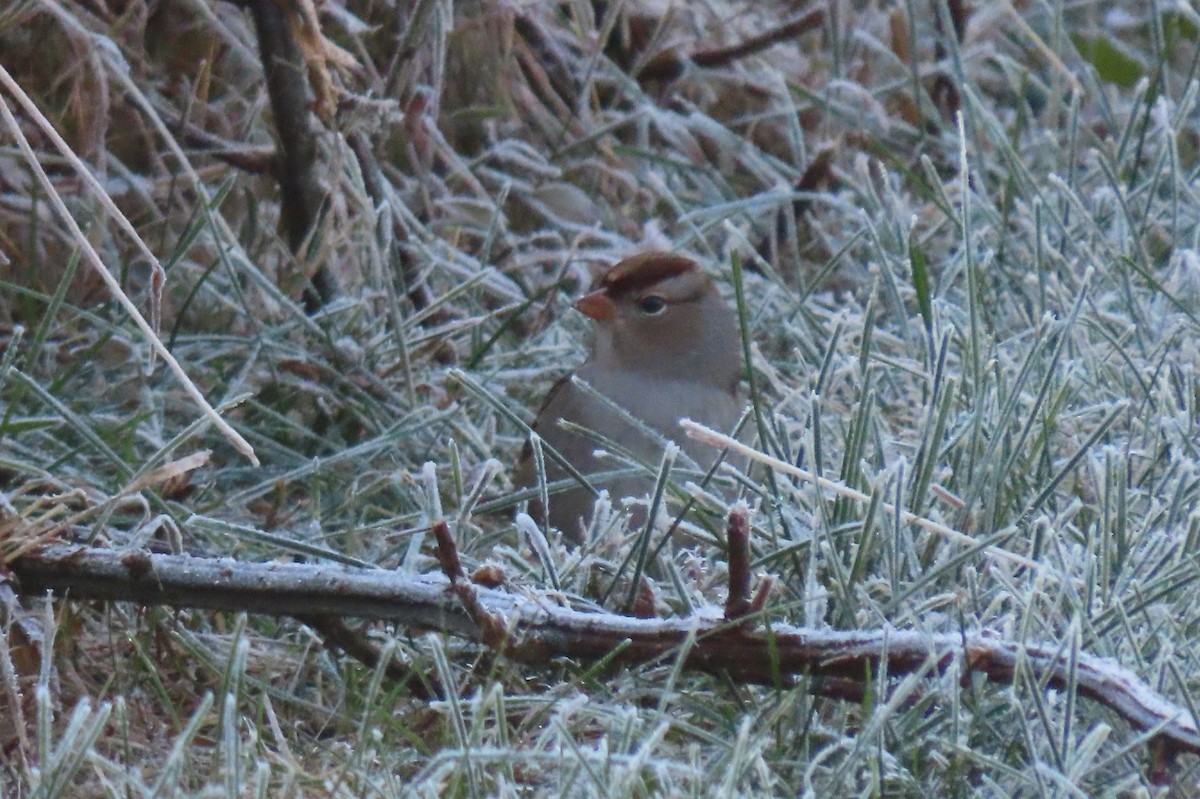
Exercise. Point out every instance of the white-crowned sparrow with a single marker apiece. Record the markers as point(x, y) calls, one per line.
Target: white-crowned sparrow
point(666, 347)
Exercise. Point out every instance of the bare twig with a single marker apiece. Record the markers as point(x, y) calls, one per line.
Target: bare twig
point(737, 604)
point(491, 625)
point(252, 158)
point(300, 192)
point(546, 66)
point(337, 635)
point(544, 86)
point(817, 176)
point(790, 29)
point(538, 630)
point(670, 63)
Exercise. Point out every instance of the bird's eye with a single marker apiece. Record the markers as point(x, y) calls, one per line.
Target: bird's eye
point(652, 305)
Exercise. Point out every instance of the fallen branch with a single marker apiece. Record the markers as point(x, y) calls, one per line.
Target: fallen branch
point(538, 629)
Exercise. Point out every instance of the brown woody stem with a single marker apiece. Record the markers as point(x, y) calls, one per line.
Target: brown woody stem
point(531, 629)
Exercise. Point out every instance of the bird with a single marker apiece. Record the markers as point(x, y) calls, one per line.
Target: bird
point(666, 346)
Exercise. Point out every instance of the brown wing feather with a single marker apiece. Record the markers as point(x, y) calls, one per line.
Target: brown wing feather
point(524, 475)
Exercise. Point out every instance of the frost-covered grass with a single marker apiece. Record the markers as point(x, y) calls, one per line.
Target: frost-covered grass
point(985, 311)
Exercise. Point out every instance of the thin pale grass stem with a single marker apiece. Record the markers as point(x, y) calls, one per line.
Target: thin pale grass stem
point(711, 437)
point(93, 258)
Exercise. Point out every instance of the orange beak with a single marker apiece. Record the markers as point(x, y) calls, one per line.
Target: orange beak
point(597, 305)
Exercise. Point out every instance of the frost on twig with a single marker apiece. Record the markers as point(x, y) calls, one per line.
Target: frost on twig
point(534, 630)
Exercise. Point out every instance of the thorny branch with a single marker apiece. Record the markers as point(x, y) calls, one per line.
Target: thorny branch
point(535, 629)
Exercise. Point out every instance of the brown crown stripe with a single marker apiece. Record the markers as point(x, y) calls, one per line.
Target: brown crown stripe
point(639, 271)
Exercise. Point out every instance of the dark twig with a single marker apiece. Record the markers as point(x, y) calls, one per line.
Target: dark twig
point(671, 62)
point(817, 176)
point(301, 194)
point(337, 635)
point(797, 26)
point(535, 630)
point(251, 158)
point(737, 604)
point(944, 92)
point(544, 88)
point(551, 73)
point(491, 625)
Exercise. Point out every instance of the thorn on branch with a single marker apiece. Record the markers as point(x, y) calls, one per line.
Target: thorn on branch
point(760, 596)
point(737, 529)
point(644, 601)
point(491, 626)
point(447, 552)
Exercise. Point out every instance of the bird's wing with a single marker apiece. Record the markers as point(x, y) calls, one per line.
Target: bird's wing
point(525, 470)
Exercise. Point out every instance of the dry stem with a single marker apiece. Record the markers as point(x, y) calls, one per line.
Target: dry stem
point(537, 630)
